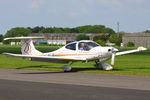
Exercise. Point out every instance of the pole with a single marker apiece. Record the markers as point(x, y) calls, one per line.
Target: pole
point(118, 27)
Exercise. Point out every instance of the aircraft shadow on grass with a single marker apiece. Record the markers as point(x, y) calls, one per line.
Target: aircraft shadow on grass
point(37, 66)
point(51, 72)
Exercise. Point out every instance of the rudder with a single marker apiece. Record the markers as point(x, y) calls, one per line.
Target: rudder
point(28, 47)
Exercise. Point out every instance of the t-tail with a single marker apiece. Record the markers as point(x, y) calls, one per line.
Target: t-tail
point(28, 47)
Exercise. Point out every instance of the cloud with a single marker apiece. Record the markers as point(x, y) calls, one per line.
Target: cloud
point(34, 4)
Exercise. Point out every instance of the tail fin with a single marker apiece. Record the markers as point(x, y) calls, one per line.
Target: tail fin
point(28, 47)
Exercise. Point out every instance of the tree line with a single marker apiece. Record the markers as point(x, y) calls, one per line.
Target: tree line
point(79, 29)
point(24, 31)
point(94, 29)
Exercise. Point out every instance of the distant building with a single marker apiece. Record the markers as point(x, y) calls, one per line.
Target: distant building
point(139, 39)
point(15, 43)
point(60, 38)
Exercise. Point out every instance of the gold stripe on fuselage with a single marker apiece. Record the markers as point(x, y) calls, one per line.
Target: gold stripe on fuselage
point(72, 54)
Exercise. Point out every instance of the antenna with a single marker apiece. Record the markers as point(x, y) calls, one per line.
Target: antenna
point(118, 27)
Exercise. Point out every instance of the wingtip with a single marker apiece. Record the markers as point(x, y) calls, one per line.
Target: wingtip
point(142, 48)
point(6, 39)
point(5, 53)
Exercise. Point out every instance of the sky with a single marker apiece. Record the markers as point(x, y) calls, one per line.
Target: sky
point(133, 15)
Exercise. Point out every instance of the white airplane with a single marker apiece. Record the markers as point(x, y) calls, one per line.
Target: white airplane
point(84, 50)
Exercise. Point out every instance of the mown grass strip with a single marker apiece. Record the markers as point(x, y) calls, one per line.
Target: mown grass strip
point(124, 65)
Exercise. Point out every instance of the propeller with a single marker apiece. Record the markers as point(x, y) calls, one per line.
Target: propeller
point(114, 50)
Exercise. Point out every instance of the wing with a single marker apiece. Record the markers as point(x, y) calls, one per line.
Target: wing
point(66, 58)
point(131, 51)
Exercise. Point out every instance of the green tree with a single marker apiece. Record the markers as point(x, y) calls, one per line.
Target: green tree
point(55, 30)
point(147, 31)
point(58, 30)
point(18, 31)
point(102, 43)
point(66, 30)
point(74, 30)
point(116, 38)
point(37, 29)
point(82, 37)
point(94, 29)
point(102, 37)
point(109, 30)
point(1, 37)
point(82, 29)
point(130, 44)
point(47, 30)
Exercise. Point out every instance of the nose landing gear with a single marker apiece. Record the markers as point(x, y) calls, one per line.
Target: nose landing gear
point(103, 66)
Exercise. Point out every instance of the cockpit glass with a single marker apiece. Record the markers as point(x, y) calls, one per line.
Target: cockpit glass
point(71, 46)
point(86, 46)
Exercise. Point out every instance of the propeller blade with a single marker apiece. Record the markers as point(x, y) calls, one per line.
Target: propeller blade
point(113, 59)
point(114, 50)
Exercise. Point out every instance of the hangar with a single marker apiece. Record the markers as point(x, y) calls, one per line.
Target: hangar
point(61, 38)
point(139, 39)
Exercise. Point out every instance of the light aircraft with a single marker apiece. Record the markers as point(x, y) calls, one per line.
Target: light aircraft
point(84, 51)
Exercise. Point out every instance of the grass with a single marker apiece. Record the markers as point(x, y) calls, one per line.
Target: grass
point(125, 65)
point(135, 64)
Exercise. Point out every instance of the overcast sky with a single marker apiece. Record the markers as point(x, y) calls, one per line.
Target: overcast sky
point(133, 15)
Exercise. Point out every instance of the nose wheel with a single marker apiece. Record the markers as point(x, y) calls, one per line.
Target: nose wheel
point(66, 68)
point(104, 66)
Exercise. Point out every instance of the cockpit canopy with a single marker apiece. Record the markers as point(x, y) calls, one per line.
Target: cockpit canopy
point(82, 45)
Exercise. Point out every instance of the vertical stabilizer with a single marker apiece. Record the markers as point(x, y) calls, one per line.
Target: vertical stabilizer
point(28, 47)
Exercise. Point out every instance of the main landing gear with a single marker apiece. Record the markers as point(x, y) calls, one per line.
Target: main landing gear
point(100, 65)
point(103, 66)
point(67, 68)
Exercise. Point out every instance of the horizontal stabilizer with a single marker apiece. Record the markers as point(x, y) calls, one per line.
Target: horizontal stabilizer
point(28, 47)
point(23, 38)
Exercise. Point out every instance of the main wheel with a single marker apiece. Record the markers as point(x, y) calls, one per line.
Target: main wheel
point(66, 68)
point(104, 66)
point(107, 67)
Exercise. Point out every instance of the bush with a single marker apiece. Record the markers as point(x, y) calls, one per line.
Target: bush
point(6, 41)
point(82, 37)
point(103, 37)
point(130, 44)
point(114, 38)
point(102, 43)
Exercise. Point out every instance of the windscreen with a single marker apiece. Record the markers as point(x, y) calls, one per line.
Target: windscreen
point(85, 46)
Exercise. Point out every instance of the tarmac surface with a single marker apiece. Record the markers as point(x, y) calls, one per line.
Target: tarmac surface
point(45, 85)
